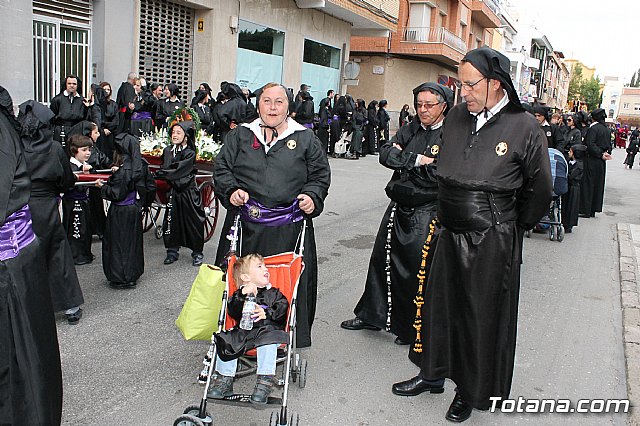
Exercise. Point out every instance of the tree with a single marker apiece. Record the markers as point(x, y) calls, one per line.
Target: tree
point(635, 80)
point(575, 83)
point(590, 91)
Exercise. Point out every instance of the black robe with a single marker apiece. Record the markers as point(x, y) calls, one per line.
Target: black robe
point(126, 94)
point(51, 175)
point(76, 218)
point(166, 108)
point(632, 150)
point(276, 179)
point(383, 125)
point(574, 137)
point(408, 234)
point(143, 103)
point(68, 114)
point(324, 113)
point(105, 143)
point(493, 184)
point(98, 161)
point(571, 200)
point(371, 133)
point(183, 224)
point(122, 247)
point(30, 373)
point(598, 141)
point(234, 343)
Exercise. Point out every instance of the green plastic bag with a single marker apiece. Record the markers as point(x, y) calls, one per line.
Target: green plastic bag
point(199, 317)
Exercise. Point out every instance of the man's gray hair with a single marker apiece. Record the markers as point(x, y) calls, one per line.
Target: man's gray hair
point(439, 97)
point(132, 75)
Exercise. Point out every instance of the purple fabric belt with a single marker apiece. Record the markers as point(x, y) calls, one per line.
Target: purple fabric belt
point(16, 233)
point(255, 212)
point(308, 125)
point(144, 115)
point(77, 195)
point(130, 200)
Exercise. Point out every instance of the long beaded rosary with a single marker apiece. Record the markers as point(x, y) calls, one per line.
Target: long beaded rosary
point(422, 275)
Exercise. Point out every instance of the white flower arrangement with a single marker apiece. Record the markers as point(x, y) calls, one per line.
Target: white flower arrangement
point(206, 147)
point(153, 143)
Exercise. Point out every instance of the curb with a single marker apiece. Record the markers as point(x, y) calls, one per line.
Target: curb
point(629, 245)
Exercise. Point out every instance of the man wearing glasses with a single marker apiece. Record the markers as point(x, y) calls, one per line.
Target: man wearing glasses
point(408, 223)
point(494, 182)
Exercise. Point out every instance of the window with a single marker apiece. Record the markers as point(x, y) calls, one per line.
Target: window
point(419, 15)
point(625, 105)
point(636, 107)
point(260, 38)
point(321, 54)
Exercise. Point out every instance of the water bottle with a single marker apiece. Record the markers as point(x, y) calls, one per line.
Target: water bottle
point(246, 323)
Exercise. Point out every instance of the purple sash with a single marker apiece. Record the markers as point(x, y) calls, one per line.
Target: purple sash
point(255, 212)
point(130, 200)
point(308, 125)
point(16, 233)
point(144, 115)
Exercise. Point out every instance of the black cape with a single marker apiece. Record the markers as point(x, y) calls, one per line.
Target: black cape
point(231, 344)
point(184, 217)
point(122, 246)
point(493, 184)
point(408, 235)
point(30, 373)
point(50, 174)
point(276, 179)
point(598, 141)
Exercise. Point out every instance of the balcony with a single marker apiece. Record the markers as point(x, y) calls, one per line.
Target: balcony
point(434, 35)
point(484, 12)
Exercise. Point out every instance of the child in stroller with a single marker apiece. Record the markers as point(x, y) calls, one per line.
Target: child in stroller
point(552, 222)
point(270, 316)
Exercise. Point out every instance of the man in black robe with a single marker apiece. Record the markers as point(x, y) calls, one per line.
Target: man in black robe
point(30, 373)
point(126, 94)
point(391, 286)
point(494, 182)
point(598, 142)
point(69, 108)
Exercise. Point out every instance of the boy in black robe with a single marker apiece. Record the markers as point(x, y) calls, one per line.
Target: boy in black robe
point(30, 373)
point(51, 174)
point(76, 214)
point(184, 218)
point(571, 200)
point(122, 248)
point(494, 182)
point(269, 318)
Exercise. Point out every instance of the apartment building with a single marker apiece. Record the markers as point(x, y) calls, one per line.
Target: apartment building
point(629, 111)
point(183, 41)
point(431, 39)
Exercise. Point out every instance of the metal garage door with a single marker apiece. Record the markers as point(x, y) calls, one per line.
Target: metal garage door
point(166, 44)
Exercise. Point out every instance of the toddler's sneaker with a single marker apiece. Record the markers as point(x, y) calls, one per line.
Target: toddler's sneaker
point(221, 386)
point(264, 386)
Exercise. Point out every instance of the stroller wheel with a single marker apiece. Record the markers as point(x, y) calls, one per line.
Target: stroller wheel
point(302, 380)
point(274, 419)
point(560, 236)
point(194, 410)
point(552, 234)
point(295, 365)
point(158, 232)
point(188, 420)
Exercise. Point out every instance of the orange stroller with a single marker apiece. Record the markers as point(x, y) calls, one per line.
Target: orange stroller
point(285, 270)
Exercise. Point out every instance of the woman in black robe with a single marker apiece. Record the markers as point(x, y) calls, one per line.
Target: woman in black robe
point(323, 127)
point(110, 122)
point(50, 173)
point(383, 122)
point(169, 105)
point(183, 224)
point(371, 130)
point(122, 248)
point(30, 373)
point(598, 142)
point(275, 162)
point(142, 111)
point(203, 110)
point(392, 283)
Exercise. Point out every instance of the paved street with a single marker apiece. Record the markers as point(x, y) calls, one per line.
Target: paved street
point(126, 363)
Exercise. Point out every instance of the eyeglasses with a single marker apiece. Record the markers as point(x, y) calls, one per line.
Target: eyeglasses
point(569, 119)
point(426, 105)
point(467, 86)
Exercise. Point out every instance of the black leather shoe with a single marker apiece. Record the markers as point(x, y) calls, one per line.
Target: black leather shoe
point(459, 411)
point(400, 341)
point(415, 386)
point(357, 324)
point(169, 260)
point(74, 318)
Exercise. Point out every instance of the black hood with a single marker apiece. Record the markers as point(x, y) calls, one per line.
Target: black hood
point(542, 110)
point(579, 151)
point(128, 147)
point(599, 115)
point(231, 90)
point(443, 91)
point(35, 120)
point(6, 108)
point(494, 65)
point(325, 103)
point(82, 128)
point(306, 96)
point(200, 95)
point(189, 130)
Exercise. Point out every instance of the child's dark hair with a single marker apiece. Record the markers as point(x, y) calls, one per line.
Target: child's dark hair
point(243, 264)
point(78, 141)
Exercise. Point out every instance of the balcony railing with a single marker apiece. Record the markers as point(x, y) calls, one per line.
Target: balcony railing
point(434, 35)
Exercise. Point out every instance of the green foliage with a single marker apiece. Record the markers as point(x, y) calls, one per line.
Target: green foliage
point(635, 79)
point(575, 83)
point(590, 91)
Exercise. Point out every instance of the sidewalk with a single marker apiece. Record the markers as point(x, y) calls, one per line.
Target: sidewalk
point(629, 243)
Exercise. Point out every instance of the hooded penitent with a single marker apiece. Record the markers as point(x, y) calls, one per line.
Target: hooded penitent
point(444, 91)
point(189, 131)
point(599, 115)
point(35, 120)
point(494, 65)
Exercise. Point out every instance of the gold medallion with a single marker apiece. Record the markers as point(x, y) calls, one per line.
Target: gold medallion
point(291, 144)
point(502, 148)
point(254, 212)
point(435, 149)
